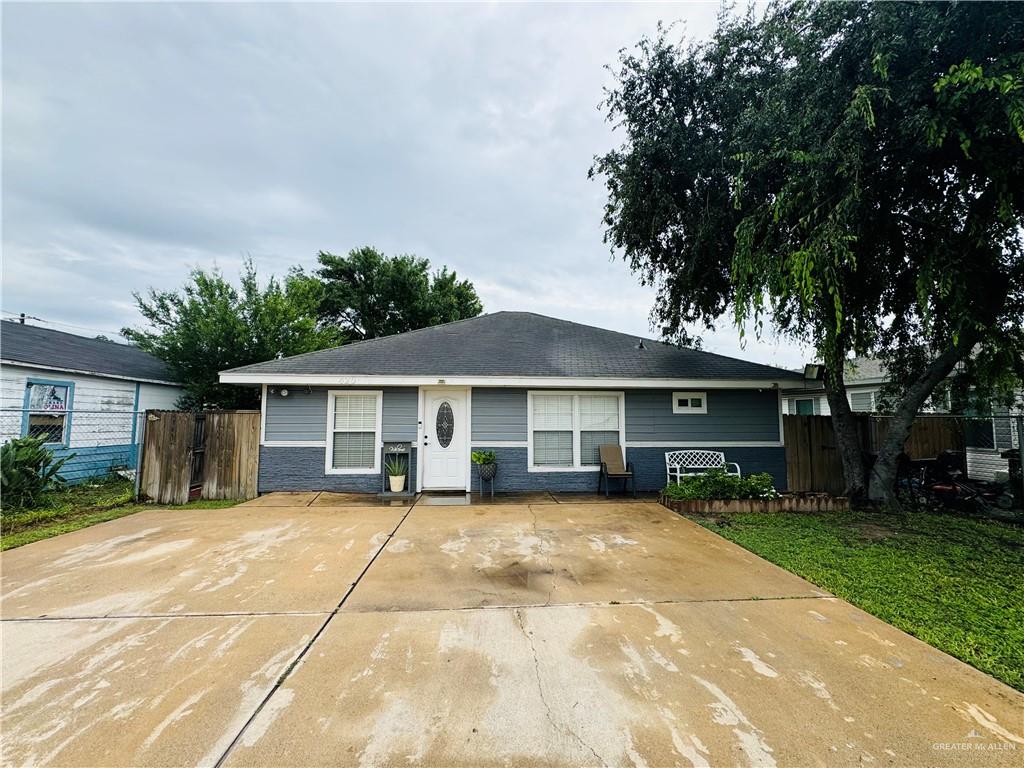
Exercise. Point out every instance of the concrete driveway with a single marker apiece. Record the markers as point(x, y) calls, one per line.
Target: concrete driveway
point(513, 634)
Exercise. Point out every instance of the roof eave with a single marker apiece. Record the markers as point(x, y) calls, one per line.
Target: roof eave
point(97, 374)
point(587, 382)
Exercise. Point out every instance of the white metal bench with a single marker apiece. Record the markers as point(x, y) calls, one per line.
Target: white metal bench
point(679, 464)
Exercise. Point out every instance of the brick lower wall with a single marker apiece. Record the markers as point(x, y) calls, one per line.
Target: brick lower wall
point(648, 463)
point(301, 468)
point(513, 475)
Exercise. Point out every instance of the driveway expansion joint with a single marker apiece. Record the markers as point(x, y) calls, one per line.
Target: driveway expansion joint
point(189, 615)
point(297, 661)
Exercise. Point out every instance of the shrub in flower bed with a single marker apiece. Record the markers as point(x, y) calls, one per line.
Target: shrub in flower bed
point(716, 484)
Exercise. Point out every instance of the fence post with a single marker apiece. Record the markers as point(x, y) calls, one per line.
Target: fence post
point(139, 450)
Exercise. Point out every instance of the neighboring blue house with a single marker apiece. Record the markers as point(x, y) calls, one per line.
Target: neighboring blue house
point(82, 395)
point(542, 393)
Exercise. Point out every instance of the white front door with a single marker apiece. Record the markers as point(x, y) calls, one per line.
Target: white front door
point(445, 436)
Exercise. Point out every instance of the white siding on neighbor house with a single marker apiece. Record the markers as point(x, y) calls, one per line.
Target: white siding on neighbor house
point(158, 397)
point(101, 408)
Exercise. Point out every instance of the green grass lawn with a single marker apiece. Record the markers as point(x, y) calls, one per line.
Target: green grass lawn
point(79, 506)
point(953, 582)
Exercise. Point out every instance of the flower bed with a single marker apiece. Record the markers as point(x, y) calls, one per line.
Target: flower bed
point(818, 502)
point(716, 492)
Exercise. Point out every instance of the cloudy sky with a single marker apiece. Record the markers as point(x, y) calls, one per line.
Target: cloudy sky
point(140, 140)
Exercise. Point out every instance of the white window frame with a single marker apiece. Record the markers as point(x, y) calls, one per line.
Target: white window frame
point(576, 453)
point(676, 408)
point(795, 409)
point(329, 437)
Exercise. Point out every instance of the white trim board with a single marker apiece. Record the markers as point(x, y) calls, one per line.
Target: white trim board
point(535, 382)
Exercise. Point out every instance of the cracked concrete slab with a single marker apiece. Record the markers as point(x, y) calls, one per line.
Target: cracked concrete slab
point(624, 635)
point(236, 560)
point(466, 557)
point(150, 692)
point(751, 683)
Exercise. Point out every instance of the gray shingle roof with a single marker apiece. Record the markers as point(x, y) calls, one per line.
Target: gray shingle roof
point(516, 344)
point(68, 352)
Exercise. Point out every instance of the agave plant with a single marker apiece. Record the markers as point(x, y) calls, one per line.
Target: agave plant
point(27, 469)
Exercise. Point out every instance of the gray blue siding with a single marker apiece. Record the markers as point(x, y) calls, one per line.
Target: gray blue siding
point(733, 415)
point(399, 420)
point(499, 414)
point(301, 468)
point(302, 416)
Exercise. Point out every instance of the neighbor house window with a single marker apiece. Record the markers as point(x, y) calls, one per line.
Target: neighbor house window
point(863, 401)
point(567, 430)
point(47, 409)
point(689, 402)
point(354, 432)
point(804, 407)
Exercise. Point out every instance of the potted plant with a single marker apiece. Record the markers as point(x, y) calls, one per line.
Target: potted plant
point(395, 467)
point(486, 463)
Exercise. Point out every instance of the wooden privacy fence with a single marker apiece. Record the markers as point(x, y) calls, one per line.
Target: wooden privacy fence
point(813, 462)
point(209, 455)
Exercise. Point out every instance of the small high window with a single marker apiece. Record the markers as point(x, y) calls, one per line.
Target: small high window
point(689, 402)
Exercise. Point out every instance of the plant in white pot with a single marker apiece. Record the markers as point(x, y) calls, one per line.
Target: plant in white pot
point(395, 467)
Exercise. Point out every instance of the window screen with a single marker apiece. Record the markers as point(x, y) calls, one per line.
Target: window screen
point(552, 430)
point(355, 432)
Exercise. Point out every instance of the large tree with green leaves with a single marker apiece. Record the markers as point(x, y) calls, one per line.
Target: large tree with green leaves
point(210, 325)
point(368, 294)
point(852, 172)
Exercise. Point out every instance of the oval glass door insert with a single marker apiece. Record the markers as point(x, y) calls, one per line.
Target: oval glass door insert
point(445, 425)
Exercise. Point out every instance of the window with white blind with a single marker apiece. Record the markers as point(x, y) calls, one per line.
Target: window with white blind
point(567, 429)
point(354, 432)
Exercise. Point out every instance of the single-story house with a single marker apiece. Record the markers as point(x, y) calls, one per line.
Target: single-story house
point(542, 393)
point(986, 437)
point(82, 395)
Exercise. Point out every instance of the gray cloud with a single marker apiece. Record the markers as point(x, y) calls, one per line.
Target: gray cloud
point(140, 140)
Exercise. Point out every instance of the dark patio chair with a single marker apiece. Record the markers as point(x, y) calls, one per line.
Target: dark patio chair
point(613, 466)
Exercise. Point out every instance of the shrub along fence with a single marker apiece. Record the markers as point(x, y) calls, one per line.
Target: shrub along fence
point(813, 462)
point(209, 455)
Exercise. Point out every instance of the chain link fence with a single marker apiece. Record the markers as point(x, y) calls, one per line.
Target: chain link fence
point(96, 443)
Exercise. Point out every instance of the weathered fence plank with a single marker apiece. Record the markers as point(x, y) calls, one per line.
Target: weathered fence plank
point(166, 454)
point(813, 462)
point(231, 446)
point(232, 454)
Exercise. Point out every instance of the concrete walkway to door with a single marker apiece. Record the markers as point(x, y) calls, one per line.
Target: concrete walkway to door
point(316, 630)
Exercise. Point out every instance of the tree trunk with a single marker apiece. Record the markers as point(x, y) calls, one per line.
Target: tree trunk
point(844, 424)
point(882, 483)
